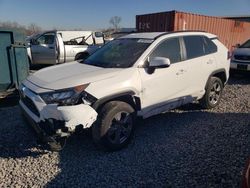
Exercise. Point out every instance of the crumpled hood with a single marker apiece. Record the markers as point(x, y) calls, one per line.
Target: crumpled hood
point(242, 51)
point(69, 75)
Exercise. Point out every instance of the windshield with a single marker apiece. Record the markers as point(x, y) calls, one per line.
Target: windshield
point(119, 53)
point(246, 44)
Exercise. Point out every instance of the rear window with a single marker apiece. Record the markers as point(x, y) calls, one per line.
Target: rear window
point(210, 46)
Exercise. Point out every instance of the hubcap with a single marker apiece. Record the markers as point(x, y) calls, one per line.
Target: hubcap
point(120, 129)
point(215, 92)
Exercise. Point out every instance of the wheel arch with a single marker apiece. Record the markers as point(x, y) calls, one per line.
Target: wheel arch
point(82, 53)
point(127, 96)
point(220, 73)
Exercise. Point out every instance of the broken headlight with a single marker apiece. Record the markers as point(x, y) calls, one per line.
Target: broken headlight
point(69, 96)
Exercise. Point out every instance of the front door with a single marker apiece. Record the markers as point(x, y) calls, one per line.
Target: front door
point(165, 88)
point(43, 49)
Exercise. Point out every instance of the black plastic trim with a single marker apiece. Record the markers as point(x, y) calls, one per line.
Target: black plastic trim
point(216, 72)
point(186, 31)
point(101, 101)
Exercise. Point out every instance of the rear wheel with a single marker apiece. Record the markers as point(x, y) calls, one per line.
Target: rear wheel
point(114, 127)
point(213, 93)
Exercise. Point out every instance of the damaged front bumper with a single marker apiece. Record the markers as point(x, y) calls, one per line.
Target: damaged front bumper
point(51, 121)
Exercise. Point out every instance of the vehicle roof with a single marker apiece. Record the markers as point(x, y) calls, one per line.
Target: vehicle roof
point(149, 35)
point(154, 35)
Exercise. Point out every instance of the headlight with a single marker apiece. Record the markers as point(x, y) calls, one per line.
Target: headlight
point(64, 97)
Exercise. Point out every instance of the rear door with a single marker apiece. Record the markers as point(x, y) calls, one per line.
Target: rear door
point(44, 50)
point(200, 61)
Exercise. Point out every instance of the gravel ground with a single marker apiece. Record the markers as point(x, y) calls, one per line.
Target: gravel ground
point(187, 147)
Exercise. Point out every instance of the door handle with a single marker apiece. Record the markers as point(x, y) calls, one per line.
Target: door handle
point(51, 48)
point(181, 71)
point(210, 62)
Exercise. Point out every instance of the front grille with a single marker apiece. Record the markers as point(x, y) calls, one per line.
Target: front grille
point(29, 103)
point(242, 57)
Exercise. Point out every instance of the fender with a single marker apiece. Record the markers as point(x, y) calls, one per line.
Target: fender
point(130, 93)
point(214, 73)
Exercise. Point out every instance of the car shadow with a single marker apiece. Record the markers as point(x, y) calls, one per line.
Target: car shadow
point(239, 78)
point(183, 148)
point(16, 138)
point(174, 149)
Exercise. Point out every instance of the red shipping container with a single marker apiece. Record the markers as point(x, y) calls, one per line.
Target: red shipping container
point(230, 32)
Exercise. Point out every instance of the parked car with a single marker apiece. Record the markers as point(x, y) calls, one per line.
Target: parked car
point(240, 60)
point(141, 74)
point(53, 47)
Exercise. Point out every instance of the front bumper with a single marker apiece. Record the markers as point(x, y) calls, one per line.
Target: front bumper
point(54, 120)
point(240, 66)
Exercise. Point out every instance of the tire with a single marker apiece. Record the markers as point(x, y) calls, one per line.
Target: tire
point(81, 56)
point(213, 93)
point(115, 126)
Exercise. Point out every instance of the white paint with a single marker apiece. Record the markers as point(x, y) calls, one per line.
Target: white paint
point(78, 115)
point(72, 115)
point(81, 114)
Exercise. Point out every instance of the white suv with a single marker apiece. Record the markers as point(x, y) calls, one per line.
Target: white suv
point(141, 74)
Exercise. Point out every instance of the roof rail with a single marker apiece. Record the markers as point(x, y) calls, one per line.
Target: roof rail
point(184, 31)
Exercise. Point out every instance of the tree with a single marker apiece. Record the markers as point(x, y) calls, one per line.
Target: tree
point(33, 28)
point(115, 21)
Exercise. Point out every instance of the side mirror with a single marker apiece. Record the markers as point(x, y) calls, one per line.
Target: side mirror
point(159, 62)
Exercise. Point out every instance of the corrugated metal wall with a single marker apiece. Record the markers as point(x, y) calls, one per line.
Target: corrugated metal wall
point(155, 22)
point(230, 32)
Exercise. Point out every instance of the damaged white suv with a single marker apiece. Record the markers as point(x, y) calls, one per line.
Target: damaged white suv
point(141, 74)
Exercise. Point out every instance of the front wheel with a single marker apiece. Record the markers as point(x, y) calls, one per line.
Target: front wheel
point(114, 127)
point(213, 93)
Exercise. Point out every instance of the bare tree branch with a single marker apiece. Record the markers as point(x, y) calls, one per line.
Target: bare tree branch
point(115, 21)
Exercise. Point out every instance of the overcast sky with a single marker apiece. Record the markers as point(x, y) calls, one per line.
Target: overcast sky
point(95, 14)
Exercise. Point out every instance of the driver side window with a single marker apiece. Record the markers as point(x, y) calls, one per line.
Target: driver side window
point(47, 38)
point(170, 49)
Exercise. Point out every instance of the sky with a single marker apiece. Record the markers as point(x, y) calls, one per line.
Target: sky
point(95, 14)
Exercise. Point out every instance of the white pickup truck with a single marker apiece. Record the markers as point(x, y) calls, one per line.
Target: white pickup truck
point(53, 47)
